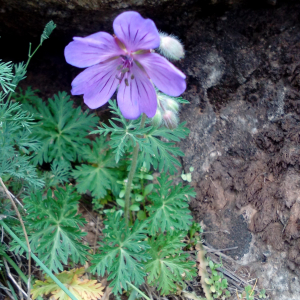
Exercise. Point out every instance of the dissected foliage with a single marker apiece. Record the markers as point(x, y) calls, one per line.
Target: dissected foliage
point(122, 252)
point(170, 210)
point(80, 287)
point(155, 151)
point(16, 144)
point(54, 228)
point(101, 173)
point(60, 128)
point(169, 265)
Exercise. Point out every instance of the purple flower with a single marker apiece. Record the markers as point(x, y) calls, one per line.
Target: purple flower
point(125, 60)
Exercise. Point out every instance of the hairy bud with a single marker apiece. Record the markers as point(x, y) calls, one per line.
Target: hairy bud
point(170, 119)
point(156, 120)
point(172, 104)
point(170, 47)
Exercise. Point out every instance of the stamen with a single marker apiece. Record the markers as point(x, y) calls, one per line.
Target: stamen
point(132, 76)
point(126, 82)
point(119, 67)
point(125, 70)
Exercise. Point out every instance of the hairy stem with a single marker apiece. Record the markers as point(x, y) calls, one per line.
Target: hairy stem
point(135, 155)
point(25, 234)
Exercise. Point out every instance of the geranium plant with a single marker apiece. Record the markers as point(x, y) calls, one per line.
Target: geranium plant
point(143, 238)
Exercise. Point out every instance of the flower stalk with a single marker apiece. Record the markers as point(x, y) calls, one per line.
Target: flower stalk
point(135, 155)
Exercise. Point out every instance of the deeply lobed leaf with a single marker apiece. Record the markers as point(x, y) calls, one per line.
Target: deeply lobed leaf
point(169, 210)
point(60, 127)
point(169, 265)
point(122, 253)
point(54, 228)
point(157, 145)
point(101, 174)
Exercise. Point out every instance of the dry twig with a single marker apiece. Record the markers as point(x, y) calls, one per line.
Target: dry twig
point(14, 281)
point(25, 234)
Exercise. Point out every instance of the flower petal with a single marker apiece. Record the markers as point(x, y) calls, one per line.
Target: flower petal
point(138, 97)
point(163, 74)
point(135, 32)
point(91, 50)
point(97, 83)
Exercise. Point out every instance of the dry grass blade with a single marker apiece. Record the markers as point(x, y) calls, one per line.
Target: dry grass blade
point(25, 234)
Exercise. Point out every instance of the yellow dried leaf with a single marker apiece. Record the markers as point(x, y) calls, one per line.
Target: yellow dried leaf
point(82, 289)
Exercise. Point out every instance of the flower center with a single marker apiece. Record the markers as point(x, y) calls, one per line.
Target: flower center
point(124, 68)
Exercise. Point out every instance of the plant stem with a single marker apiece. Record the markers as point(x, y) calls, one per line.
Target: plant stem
point(139, 291)
point(25, 234)
point(27, 63)
point(135, 155)
point(14, 265)
point(45, 269)
point(12, 290)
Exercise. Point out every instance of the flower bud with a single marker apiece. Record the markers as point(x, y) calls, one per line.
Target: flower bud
point(156, 120)
point(170, 47)
point(170, 119)
point(172, 104)
point(167, 102)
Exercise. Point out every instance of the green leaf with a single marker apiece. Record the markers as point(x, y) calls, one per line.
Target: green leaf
point(61, 129)
point(157, 145)
point(169, 264)
point(6, 76)
point(181, 100)
point(141, 215)
point(170, 206)
point(54, 228)
point(224, 284)
point(189, 177)
point(134, 207)
point(50, 26)
point(208, 281)
point(122, 135)
point(101, 174)
point(148, 189)
point(138, 198)
point(121, 253)
point(121, 202)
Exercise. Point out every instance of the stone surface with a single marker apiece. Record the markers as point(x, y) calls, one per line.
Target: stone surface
point(243, 70)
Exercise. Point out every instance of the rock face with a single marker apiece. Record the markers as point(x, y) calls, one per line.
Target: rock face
point(244, 144)
point(243, 75)
point(86, 16)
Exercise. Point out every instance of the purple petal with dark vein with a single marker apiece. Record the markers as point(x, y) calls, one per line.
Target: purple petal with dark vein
point(136, 32)
point(91, 50)
point(163, 74)
point(97, 83)
point(138, 97)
